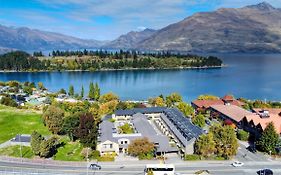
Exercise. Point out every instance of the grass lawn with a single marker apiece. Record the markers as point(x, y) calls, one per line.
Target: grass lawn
point(14, 151)
point(71, 151)
point(15, 121)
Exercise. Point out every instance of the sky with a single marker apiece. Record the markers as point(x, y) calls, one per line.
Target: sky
point(106, 19)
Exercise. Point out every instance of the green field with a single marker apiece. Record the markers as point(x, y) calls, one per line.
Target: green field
point(71, 151)
point(15, 121)
point(14, 151)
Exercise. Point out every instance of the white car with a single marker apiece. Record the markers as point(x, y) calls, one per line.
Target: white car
point(237, 164)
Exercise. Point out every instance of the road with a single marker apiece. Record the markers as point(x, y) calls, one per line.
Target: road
point(185, 168)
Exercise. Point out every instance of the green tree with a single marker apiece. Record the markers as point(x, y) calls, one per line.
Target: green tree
point(172, 99)
point(205, 145)
point(35, 142)
point(71, 91)
point(226, 141)
point(141, 146)
point(91, 94)
point(49, 147)
point(62, 91)
point(82, 92)
point(96, 92)
point(243, 135)
point(8, 101)
point(199, 120)
point(186, 109)
point(269, 139)
point(71, 124)
point(126, 129)
point(53, 118)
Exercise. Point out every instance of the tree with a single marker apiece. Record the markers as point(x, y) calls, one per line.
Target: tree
point(126, 129)
point(225, 139)
point(71, 91)
point(96, 92)
point(91, 94)
point(243, 135)
point(205, 145)
point(157, 101)
point(49, 147)
point(41, 86)
point(208, 97)
point(53, 118)
point(70, 124)
point(199, 120)
point(35, 142)
point(269, 139)
point(185, 108)
point(108, 97)
point(87, 131)
point(62, 91)
point(8, 101)
point(82, 92)
point(141, 146)
point(172, 99)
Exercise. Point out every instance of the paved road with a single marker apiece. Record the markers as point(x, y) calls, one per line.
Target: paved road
point(217, 168)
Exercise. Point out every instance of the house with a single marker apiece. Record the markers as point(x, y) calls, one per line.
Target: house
point(203, 105)
point(159, 124)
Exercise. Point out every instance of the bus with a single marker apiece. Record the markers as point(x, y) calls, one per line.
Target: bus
point(160, 169)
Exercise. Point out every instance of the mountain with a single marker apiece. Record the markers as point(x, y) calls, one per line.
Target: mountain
point(255, 28)
point(29, 39)
point(130, 39)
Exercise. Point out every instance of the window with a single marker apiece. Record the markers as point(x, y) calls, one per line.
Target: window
point(111, 146)
point(121, 142)
point(126, 142)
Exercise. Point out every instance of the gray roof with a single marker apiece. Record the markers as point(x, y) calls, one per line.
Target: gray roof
point(106, 130)
point(181, 126)
point(133, 111)
point(22, 138)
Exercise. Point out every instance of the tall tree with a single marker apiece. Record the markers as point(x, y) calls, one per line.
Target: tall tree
point(82, 92)
point(186, 109)
point(269, 139)
point(172, 99)
point(96, 92)
point(205, 145)
point(35, 142)
point(53, 118)
point(41, 86)
point(71, 124)
point(71, 91)
point(91, 94)
point(48, 147)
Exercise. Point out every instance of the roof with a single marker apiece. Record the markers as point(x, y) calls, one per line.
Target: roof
point(181, 126)
point(207, 103)
point(106, 130)
point(274, 118)
point(234, 112)
point(139, 110)
point(22, 138)
point(228, 98)
point(270, 110)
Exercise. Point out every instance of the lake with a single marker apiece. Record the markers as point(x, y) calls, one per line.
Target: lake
point(249, 76)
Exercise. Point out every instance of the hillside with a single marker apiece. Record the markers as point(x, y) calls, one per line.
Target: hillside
point(29, 39)
point(255, 28)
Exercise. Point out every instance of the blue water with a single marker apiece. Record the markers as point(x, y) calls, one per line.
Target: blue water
point(249, 76)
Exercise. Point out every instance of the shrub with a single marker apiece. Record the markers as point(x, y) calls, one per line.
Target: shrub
point(243, 135)
point(106, 158)
point(192, 157)
point(147, 156)
point(95, 154)
point(8, 101)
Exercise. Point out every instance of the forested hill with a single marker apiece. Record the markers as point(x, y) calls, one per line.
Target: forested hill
point(102, 60)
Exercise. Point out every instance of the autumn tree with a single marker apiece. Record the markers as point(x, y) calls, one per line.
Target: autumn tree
point(108, 97)
point(53, 119)
point(41, 86)
point(208, 97)
point(225, 139)
point(186, 109)
point(172, 99)
point(205, 145)
point(269, 139)
point(96, 92)
point(141, 146)
point(126, 129)
point(35, 142)
point(157, 101)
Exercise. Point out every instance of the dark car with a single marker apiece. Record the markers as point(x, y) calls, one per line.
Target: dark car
point(208, 122)
point(265, 172)
point(94, 166)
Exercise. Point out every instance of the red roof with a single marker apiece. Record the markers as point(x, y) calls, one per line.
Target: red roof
point(207, 103)
point(228, 98)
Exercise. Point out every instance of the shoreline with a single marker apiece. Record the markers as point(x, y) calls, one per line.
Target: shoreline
point(124, 69)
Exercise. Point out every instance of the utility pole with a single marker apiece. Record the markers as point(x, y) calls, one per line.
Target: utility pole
point(87, 161)
point(20, 148)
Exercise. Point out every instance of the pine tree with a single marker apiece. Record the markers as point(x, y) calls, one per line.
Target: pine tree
point(91, 94)
point(82, 92)
point(96, 92)
point(269, 139)
point(35, 143)
point(71, 91)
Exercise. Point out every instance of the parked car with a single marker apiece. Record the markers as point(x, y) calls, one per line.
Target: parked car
point(265, 171)
point(94, 166)
point(208, 122)
point(237, 164)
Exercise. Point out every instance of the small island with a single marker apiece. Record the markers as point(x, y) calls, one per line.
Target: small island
point(102, 60)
